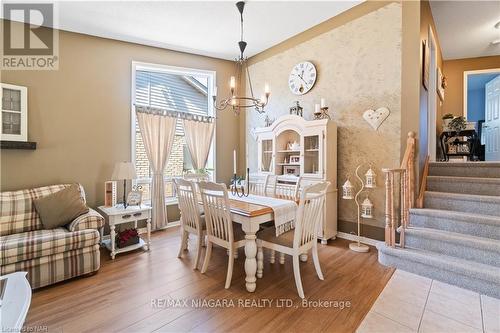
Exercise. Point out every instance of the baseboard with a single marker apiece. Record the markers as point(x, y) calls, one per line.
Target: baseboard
point(362, 239)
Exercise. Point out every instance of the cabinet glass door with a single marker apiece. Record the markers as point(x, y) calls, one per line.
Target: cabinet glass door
point(267, 155)
point(312, 162)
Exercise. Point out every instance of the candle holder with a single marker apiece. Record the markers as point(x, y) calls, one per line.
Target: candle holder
point(237, 189)
point(323, 114)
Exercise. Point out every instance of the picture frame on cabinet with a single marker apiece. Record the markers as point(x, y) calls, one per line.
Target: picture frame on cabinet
point(294, 159)
point(291, 170)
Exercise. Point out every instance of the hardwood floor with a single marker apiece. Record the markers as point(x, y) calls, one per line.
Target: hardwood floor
point(120, 296)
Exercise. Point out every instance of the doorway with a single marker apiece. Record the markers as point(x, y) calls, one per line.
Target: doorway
point(432, 98)
point(482, 106)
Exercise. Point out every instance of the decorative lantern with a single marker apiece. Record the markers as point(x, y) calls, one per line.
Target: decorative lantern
point(367, 209)
point(370, 177)
point(296, 109)
point(347, 190)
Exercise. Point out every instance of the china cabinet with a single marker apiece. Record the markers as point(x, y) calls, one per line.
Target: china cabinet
point(292, 147)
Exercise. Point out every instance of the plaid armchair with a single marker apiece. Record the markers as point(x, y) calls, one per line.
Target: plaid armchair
point(49, 256)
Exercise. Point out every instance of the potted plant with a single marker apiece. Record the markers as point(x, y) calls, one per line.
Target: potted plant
point(447, 118)
point(458, 124)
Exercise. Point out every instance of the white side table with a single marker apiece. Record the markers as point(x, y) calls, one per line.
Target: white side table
point(118, 215)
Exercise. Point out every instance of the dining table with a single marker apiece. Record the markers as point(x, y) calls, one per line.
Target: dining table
point(251, 216)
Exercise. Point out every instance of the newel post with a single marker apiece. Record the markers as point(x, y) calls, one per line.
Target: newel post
point(388, 207)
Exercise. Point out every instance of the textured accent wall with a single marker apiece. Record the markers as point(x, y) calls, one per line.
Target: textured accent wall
point(359, 67)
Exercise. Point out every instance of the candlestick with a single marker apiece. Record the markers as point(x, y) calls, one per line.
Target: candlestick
point(234, 161)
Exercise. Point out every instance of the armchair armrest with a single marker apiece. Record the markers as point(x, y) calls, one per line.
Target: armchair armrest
point(90, 220)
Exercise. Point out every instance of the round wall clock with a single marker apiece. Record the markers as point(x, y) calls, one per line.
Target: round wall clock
point(302, 78)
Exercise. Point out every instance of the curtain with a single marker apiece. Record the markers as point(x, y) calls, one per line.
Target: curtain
point(157, 130)
point(198, 135)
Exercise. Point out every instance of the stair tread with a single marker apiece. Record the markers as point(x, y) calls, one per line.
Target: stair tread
point(456, 215)
point(466, 197)
point(448, 236)
point(465, 164)
point(490, 180)
point(458, 265)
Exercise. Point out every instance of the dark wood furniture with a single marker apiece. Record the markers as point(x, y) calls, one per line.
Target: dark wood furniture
point(470, 143)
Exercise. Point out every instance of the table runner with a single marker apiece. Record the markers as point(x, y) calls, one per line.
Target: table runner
point(284, 210)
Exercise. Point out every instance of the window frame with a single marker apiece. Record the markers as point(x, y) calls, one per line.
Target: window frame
point(160, 68)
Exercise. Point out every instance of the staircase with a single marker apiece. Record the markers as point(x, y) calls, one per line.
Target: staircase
point(455, 237)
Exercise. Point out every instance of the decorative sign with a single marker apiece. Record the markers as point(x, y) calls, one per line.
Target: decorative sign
point(377, 117)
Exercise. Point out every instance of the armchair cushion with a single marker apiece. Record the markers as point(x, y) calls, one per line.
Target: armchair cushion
point(41, 243)
point(89, 220)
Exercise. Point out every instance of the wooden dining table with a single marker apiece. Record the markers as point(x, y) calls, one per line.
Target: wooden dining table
point(251, 216)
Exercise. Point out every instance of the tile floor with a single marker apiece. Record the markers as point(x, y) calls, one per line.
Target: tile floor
point(412, 303)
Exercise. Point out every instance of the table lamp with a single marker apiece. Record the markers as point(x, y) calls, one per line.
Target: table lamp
point(124, 170)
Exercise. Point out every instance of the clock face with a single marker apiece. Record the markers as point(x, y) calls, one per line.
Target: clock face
point(302, 78)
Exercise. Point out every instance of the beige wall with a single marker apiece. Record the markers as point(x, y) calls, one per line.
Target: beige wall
point(359, 67)
point(454, 72)
point(80, 114)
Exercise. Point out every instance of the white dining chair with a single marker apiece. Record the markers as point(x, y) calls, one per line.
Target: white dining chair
point(220, 228)
point(304, 237)
point(258, 184)
point(192, 221)
point(287, 192)
point(197, 177)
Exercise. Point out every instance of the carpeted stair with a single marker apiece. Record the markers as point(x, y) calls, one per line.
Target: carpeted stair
point(455, 238)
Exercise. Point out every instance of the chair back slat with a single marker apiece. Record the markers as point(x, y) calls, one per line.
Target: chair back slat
point(258, 184)
point(197, 177)
point(287, 191)
point(188, 203)
point(217, 210)
point(310, 213)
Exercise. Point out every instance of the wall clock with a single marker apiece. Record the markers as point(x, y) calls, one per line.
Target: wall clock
point(302, 78)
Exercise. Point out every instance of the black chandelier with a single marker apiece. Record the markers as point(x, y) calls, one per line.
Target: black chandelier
point(242, 102)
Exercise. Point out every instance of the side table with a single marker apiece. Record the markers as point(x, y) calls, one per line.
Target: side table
point(117, 215)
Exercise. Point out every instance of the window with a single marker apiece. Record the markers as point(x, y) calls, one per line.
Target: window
point(176, 89)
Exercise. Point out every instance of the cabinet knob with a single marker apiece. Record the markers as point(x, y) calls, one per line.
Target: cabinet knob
point(138, 214)
point(126, 216)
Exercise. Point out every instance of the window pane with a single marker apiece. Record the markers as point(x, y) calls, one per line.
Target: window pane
point(11, 123)
point(181, 93)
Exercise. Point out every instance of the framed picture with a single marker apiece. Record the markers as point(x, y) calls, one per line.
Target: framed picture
point(425, 64)
point(291, 170)
point(295, 159)
point(439, 84)
point(14, 113)
point(134, 197)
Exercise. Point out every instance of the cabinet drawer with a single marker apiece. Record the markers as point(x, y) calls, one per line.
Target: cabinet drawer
point(130, 217)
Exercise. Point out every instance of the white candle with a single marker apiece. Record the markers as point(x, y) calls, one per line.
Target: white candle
point(266, 88)
point(234, 161)
point(233, 82)
point(215, 91)
point(316, 108)
point(323, 103)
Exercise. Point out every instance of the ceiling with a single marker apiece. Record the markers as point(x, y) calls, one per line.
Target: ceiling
point(466, 29)
point(202, 27)
point(477, 81)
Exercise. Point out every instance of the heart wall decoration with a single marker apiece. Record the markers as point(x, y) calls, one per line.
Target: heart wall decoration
point(376, 117)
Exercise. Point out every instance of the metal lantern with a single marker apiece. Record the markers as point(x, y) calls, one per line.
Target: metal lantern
point(370, 178)
point(347, 190)
point(367, 209)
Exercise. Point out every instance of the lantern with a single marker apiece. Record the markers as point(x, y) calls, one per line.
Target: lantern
point(367, 209)
point(370, 177)
point(347, 190)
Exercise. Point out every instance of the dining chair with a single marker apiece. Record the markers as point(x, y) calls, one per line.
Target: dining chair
point(287, 192)
point(304, 237)
point(221, 230)
point(258, 184)
point(192, 221)
point(196, 177)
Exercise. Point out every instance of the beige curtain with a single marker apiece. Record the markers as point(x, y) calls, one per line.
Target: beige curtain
point(157, 132)
point(198, 135)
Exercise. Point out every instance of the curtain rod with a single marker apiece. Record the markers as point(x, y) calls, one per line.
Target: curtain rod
point(173, 114)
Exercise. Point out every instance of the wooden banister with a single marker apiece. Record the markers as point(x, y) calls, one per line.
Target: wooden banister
point(406, 177)
point(423, 184)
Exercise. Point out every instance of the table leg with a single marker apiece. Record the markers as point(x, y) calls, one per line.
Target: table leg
point(112, 234)
point(250, 261)
point(260, 260)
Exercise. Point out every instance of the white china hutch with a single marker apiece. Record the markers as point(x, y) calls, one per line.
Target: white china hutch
point(292, 147)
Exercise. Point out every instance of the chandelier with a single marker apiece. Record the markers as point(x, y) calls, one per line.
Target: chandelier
point(242, 102)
